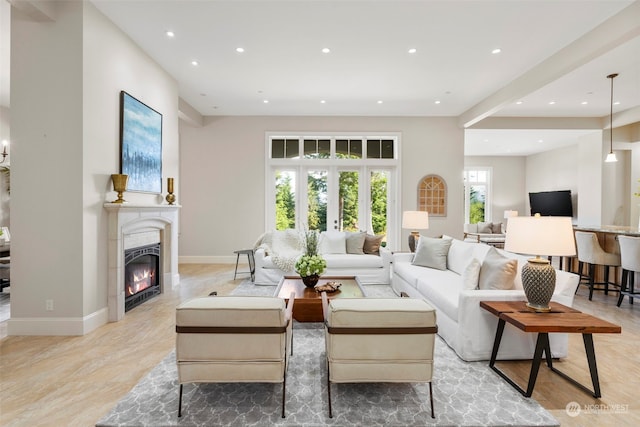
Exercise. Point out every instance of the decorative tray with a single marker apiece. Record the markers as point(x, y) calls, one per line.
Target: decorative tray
point(327, 287)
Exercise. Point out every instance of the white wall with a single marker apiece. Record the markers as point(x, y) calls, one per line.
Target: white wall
point(508, 183)
point(553, 170)
point(223, 170)
point(67, 75)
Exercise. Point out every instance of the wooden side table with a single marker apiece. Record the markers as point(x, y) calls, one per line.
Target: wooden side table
point(560, 319)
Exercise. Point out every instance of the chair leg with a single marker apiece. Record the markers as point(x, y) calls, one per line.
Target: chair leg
point(329, 389)
point(592, 275)
point(284, 389)
point(632, 280)
point(431, 399)
point(606, 279)
point(180, 403)
point(623, 286)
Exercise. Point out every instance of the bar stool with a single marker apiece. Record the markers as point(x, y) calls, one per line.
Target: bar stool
point(251, 260)
point(630, 261)
point(590, 251)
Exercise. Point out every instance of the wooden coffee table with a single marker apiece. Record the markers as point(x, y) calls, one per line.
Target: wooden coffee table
point(308, 302)
point(560, 319)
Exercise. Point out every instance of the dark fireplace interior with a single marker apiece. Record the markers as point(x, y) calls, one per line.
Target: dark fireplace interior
point(141, 275)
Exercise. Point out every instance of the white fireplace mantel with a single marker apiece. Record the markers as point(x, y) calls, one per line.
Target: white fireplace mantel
point(126, 219)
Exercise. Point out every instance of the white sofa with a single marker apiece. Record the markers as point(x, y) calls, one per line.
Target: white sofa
point(486, 232)
point(275, 254)
point(463, 324)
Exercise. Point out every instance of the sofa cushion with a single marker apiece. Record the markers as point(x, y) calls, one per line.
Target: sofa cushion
point(497, 271)
point(432, 252)
point(372, 244)
point(442, 289)
point(332, 242)
point(459, 256)
point(355, 242)
point(471, 274)
point(484, 227)
point(380, 313)
point(496, 227)
point(353, 261)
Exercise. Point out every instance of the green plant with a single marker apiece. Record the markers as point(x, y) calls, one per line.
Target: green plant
point(308, 265)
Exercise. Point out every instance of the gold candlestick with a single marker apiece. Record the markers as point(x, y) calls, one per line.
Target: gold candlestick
point(120, 186)
point(171, 198)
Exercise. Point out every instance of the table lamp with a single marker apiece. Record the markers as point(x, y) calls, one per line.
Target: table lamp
point(540, 235)
point(414, 221)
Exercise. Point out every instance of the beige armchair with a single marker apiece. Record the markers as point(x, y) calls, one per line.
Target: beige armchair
point(233, 339)
point(379, 340)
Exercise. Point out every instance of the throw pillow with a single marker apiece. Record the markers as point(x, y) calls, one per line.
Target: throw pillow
point(484, 227)
point(355, 243)
point(470, 275)
point(459, 255)
point(432, 253)
point(372, 244)
point(496, 227)
point(497, 272)
point(333, 242)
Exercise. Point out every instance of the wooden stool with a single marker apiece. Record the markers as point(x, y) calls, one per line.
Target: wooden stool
point(252, 263)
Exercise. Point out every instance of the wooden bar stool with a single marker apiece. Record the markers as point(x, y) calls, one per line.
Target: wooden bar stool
point(251, 260)
point(590, 252)
point(630, 262)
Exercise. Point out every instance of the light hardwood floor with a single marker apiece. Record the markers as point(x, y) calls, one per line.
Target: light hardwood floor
point(75, 381)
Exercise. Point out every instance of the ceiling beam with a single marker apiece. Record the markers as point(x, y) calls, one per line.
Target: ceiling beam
point(619, 29)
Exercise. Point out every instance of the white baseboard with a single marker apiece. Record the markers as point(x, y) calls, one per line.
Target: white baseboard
point(210, 260)
point(59, 326)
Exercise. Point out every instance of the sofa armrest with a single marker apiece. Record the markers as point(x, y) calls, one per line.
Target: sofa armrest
point(402, 257)
point(386, 255)
point(259, 255)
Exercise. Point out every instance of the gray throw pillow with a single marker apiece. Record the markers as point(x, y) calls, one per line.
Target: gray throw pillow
point(484, 227)
point(496, 228)
point(432, 253)
point(497, 272)
point(355, 243)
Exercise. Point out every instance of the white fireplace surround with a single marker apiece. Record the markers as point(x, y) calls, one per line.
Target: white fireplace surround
point(130, 223)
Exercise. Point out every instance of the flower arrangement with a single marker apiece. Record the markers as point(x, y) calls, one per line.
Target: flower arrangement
point(310, 263)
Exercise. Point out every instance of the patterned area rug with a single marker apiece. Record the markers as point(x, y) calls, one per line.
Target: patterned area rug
point(464, 394)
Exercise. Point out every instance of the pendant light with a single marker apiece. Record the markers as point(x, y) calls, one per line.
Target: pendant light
point(611, 157)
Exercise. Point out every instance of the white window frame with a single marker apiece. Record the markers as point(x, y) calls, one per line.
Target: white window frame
point(364, 167)
point(488, 212)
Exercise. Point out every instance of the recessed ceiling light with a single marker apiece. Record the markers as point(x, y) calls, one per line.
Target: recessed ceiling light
point(194, 63)
point(437, 102)
point(552, 102)
point(616, 103)
point(485, 140)
point(584, 103)
point(323, 101)
point(413, 50)
point(379, 102)
point(239, 49)
point(540, 141)
point(519, 103)
point(326, 50)
point(266, 101)
point(170, 34)
point(496, 51)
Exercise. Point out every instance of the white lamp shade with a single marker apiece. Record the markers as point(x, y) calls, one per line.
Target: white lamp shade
point(415, 220)
point(510, 214)
point(611, 157)
point(541, 235)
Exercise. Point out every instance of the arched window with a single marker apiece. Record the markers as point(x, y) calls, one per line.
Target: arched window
point(432, 195)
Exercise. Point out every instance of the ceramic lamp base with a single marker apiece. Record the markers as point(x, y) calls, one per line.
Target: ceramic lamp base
point(539, 282)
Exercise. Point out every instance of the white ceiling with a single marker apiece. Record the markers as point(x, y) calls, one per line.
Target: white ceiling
point(369, 62)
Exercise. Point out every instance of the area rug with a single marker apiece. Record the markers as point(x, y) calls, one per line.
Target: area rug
point(464, 394)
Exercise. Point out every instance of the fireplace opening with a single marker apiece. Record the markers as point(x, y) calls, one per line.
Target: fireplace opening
point(141, 274)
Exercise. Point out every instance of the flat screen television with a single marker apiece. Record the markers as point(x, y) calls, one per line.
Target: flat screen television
point(551, 203)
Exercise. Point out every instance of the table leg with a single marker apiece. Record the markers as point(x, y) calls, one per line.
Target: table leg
point(496, 342)
point(593, 368)
point(542, 344)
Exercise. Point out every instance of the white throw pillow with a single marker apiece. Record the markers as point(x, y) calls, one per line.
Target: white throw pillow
point(460, 253)
point(497, 272)
point(333, 242)
point(432, 253)
point(471, 274)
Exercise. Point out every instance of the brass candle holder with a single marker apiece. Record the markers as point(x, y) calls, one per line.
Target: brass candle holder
point(171, 198)
point(119, 185)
